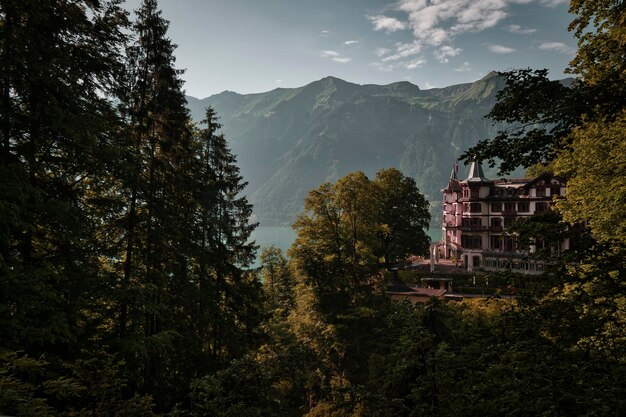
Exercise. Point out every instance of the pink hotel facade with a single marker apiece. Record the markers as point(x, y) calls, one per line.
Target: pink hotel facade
point(478, 211)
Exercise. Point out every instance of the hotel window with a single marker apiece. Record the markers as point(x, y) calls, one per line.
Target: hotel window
point(523, 206)
point(555, 190)
point(471, 221)
point(496, 207)
point(510, 207)
point(475, 208)
point(474, 192)
point(495, 242)
point(541, 207)
point(471, 242)
point(509, 243)
point(541, 191)
point(508, 221)
point(496, 222)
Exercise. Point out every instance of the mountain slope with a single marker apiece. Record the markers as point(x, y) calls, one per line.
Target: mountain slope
point(288, 141)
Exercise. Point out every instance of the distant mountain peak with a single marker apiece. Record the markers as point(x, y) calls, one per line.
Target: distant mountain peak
point(290, 140)
point(491, 74)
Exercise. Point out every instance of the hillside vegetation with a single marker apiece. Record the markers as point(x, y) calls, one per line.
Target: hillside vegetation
point(289, 140)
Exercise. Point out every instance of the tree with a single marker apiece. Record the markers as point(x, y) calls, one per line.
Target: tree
point(335, 246)
point(59, 61)
point(154, 188)
point(403, 216)
point(579, 131)
point(597, 156)
point(541, 113)
point(350, 225)
point(278, 282)
point(228, 298)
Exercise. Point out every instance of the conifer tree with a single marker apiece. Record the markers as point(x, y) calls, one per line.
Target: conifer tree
point(153, 221)
point(58, 61)
point(229, 296)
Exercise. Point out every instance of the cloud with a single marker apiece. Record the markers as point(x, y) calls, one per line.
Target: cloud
point(404, 50)
point(557, 46)
point(382, 51)
point(416, 63)
point(335, 56)
point(520, 30)
point(387, 24)
point(499, 49)
point(278, 82)
point(324, 33)
point(463, 68)
point(552, 3)
point(403, 64)
point(350, 42)
point(428, 85)
point(383, 67)
point(437, 22)
point(442, 54)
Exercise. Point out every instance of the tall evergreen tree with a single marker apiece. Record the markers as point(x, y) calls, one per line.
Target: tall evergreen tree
point(58, 61)
point(155, 215)
point(230, 296)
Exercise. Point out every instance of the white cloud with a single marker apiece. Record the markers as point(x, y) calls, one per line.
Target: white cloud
point(382, 51)
point(350, 42)
point(499, 49)
point(552, 3)
point(557, 46)
point(520, 30)
point(278, 82)
point(335, 56)
point(382, 67)
point(404, 50)
point(436, 22)
point(324, 33)
point(403, 64)
point(442, 54)
point(416, 63)
point(387, 24)
point(463, 68)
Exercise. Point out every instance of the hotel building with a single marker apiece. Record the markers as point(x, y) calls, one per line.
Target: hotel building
point(478, 211)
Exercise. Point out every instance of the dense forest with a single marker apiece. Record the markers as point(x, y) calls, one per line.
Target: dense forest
point(126, 286)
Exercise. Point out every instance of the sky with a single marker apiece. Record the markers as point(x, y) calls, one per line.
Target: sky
point(251, 46)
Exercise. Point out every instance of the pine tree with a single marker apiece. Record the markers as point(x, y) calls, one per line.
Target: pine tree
point(156, 215)
point(230, 296)
point(58, 61)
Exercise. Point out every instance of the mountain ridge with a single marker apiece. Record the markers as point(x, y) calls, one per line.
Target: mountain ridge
point(289, 140)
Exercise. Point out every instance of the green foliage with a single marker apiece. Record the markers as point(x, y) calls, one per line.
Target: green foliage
point(290, 140)
point(350, 225)
point(278, 281)
point(403, 216)
point(596, 189)
point(539, 114)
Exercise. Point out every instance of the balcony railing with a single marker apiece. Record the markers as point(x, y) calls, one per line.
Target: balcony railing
point(481, 228)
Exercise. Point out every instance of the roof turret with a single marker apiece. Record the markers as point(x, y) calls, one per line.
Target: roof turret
point(476, 173)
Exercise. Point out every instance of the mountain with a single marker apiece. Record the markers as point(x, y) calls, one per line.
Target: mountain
point(289, 140)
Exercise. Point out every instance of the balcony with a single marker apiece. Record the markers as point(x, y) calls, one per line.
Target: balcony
point(474, 228)
point(481, 228)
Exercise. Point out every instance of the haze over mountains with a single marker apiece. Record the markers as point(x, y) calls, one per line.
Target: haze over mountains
point(289, 140)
